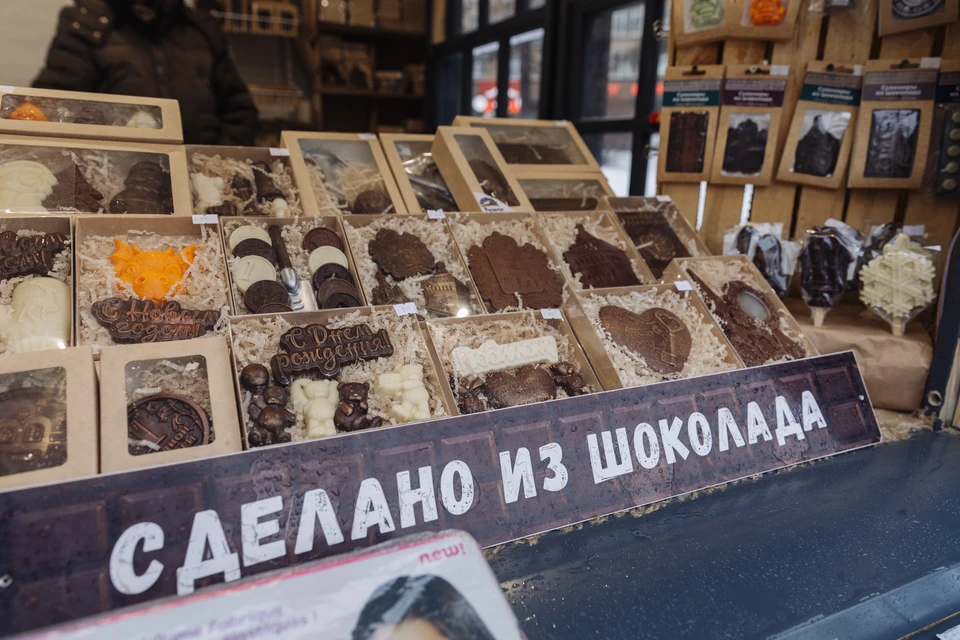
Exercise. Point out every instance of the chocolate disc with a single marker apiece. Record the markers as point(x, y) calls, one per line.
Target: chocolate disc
point(264, 293)
point(656, 335)
point(529, 384)
point(321, 237)
point(503, 270)
point(167, 422)
point(276, 308)
point(372, 201)
point(255, 247)
point(330, 270)
point(33, 432)
point(338, 294)
point(599, 263)
point(401, 255)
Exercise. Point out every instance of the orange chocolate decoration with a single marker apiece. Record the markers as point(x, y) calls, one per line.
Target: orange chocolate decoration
point(767, 13)
point(28, 111)
point(153, 274)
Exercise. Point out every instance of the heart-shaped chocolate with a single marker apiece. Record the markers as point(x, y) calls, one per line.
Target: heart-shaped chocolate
point(656, 335)
point(527, 385)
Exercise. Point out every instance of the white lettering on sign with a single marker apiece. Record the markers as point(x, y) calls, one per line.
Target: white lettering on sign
point(448, 493)
point(252, 531)
point(727, 428)
point(409, 497)
point(517, 475)
point(205, 533)
point(611, 469)
point(491, 356)
point(372, 510)
point(670, 434)
point(122, 574)
point(317, 506)
point(811, 412)
point(552, 454)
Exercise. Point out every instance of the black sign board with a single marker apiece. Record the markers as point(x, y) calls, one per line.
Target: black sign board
point(75, 549)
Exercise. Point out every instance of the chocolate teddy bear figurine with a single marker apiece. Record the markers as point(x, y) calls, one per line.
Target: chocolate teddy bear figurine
point(351, 415)
point(268, 408)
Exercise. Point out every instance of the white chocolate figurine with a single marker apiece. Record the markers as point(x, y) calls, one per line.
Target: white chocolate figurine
point(317, 400)
point(279, 208)
point(405, 386)
point(24, 185)
point(209, 190)
point(39, 316)
point(143, 120)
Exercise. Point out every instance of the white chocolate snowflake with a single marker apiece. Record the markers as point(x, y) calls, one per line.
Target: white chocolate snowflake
point(900, 280)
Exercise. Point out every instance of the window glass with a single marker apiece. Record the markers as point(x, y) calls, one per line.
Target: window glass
point(526, 61)
point(612, 62)
point(502, 9)
point(614, 152)
point(469, 15)
point(536, 4)
point(662, 57)
point(449, 102)
point(484, 100)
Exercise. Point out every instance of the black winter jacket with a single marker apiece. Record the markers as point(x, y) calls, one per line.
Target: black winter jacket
point(102, 47)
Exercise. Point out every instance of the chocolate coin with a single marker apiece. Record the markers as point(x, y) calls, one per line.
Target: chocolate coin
point(264, 293)
point(321, 237)
point(330, 270)
point(33, 429)
point(165, 422)
point(276, 307)
point(255, 247)
point(338, 294)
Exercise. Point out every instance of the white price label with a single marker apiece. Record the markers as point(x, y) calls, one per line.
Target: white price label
point(929, 63)
point(210, 218)
point(914, 229)
point(560, 123)
point(435, 214)
point(6, 88)
point(858, 69)
point(405, 309)
point(278, 152)
point(779, 69)
point(664, 199)
point(368, 136)
point(682, 285)
point(551, 314)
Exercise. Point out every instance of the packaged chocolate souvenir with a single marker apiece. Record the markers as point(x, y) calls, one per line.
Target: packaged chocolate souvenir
point(945, 150)
point(564, 193)
point(342, 173)
point(749, 313)
point(509, 260)
point(763, 243)
point(93, 116)
point(242, 181)
point(293, 385)
point(688, 122)
point(893, 129)
point(594, 252)
point(700, 21)
point(658, 230)
point(749, 124)
point(897, 16)
point(643, 335)
point(163, 403)
point(494, 362)
point(898, 284)
point(283, 265)
point(475, 171)
point(48, 402)
point(550, 146)
point(821, 135)
point(409, 259)
point(150, 279)
point(827, 267)
point(36, 284)
point(411, 158)
point(767, 19)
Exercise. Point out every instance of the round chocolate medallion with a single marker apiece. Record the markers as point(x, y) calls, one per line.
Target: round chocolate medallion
point(338, 294)
point(322, 237)
point(164, 422)
point(328, 271)
point(255, 247)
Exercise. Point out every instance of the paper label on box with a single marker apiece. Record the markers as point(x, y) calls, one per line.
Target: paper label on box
point(405, 309)
point(435, 214)
point(664, 199)
point(551, 314)
point(277, 151)
point(692, 93)
point(929, 63)
point(560, 123)
point(682, 285)
point(489, 204)
point(6, 88)
point(831, 88)
point(210, 218)
point(368, 136)
point(909, 84)
point(754, 92)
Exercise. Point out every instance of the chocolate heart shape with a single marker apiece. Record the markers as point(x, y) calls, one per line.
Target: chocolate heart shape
point(529, 384)
point(656, 335)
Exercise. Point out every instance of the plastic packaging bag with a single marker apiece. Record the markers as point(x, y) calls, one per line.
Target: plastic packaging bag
point(898, 283)
point(774, 257)
point(827, 267)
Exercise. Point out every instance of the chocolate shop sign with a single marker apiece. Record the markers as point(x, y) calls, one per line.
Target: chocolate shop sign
point(93, 545)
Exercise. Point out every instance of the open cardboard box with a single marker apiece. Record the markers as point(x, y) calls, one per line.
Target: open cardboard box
point(566, 152)
point(51, 166)
point(116, 226)
point(548, 191)
point(401, 148)
point(496, 191)
point(356, 150)
point(525, 318)
point(243, 339)
point(297, 253)
point(589, 334)
point(94, 116)
point(197, 371)
point(72, 450)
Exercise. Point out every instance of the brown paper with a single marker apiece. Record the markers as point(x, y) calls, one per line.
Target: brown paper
point(694, 89)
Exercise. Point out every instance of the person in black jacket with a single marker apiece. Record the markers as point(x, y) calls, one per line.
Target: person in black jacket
point(157, 49)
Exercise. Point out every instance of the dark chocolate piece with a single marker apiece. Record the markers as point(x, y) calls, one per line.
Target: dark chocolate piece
point(321, 237)
point(401, 255)
point(255, 247)
point(654, 238)
point(265, 293)
point(599, 263)
point(656, 335)
point(893, 143)
point(148, 191)
point(226, 209)
point(824, 264)
point(335, 293)
point(527, 385)
point(817, 151)
point(330, 270)
point(73, 192)
point(503, 270)
point(565, 376)
point(167, 422)
point(768, 258)
point(29, 255)
point(564, 204)
point(446, 296)
point(386, 293)
point(276, 307)
point(33, 432)
point(372, 201)
point(309, 351)
point(143, 322)
point(267, 189)
point(524, 153)
point(254, 377)
point(746, 145)
point(493, 183)
point(351, 415)
point(688, 141)
point(241, 187)
point(470, 397)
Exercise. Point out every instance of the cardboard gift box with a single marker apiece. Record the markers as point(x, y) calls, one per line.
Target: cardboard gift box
point(307, 375)
point(234, 181)
point(177, 404)
point(633, 345)
point(549, 192)
point(401, 244)
point(411, 158)
point(599, 256)
point(92, 116)
point(36, 284)
point(525, 349)
point(299, 246)
point(536, 144)
point(41, 175)
point(137, 281)
point(475, 172)
point(342, 173)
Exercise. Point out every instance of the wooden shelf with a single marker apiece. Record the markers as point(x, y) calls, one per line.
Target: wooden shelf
point(359, 30)
point(367, 93)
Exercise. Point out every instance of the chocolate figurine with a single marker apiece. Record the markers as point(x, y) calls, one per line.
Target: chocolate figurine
point(372, 201)
point(746, 145)
point(446, 296)
point(148, 191)
point(493, 183)
point(526, 385)
point(565, 376)
point(267, 189)
point(688, 141)
point(73, 192)
point(351, 415)
point(503, 270)
point(824, 265)
point(401, 255)
point(33, 433)
point(817, 151)
point(599, 263)
point(386, 293)
point(893, 143)
point(656, 335)
point(29, 255)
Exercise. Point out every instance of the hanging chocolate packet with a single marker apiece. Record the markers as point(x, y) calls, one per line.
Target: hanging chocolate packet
point(893, 131)
point(897, 16)
point(945, 148)
point(751, 105)
point(818, 143)
point(688, 122)
point(827, 265)
point(775, 258)
point(766, 19)
point(699, 21)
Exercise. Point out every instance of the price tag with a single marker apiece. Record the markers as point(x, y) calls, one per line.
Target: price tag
point(210, 218)
point(929, 63)
point(368, 136)
point(435, 214)
point(277, 151)
point(858, 69)
point(914, 229)
point(779, 69)
point(6, 88)
point(664, 199)
point(560, 123)
point(682, 285)
point(551, 314)
point(405, 309)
